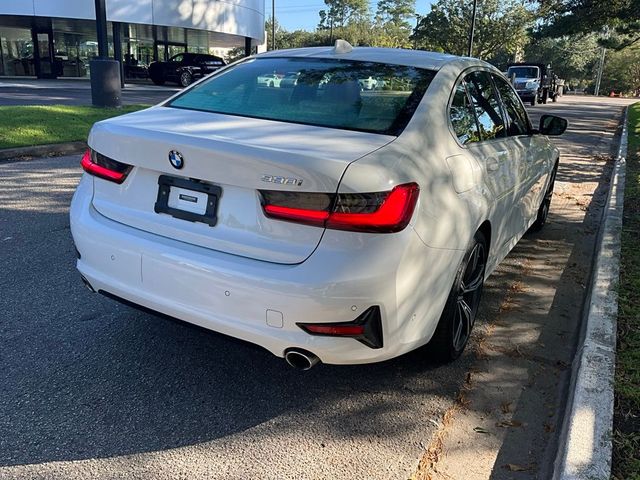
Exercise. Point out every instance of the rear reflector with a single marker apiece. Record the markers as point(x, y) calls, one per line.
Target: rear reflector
point(104, 167)
point(367, 328)
point(380, 212)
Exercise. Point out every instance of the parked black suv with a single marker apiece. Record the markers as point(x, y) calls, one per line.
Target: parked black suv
point(184, 68)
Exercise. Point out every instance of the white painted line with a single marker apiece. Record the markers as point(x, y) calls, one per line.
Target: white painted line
point(585, 448)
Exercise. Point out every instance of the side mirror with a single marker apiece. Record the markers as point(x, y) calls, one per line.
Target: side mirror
point(552, 125)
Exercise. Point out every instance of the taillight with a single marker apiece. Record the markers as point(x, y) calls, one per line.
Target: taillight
point(104, 167)
point(380, 212)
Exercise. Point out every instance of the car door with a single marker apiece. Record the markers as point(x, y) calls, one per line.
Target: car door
point(173, 66)
point(500, 161)
point(535, 157)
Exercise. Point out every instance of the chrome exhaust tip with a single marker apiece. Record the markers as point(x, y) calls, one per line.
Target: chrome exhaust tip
point(300, 359)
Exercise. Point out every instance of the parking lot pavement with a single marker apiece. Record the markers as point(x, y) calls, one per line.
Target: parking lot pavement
point(74, 92)
point(92, 389)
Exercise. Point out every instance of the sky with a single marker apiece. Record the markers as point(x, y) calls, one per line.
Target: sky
point(303, 14)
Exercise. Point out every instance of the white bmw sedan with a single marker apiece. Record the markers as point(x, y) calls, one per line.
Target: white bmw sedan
point(323, 222)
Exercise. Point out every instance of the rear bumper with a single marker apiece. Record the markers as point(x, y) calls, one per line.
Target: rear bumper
point(258, 301)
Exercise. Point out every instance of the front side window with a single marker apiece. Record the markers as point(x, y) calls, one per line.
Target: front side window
point(462, 117)
point(320, 92)
point(486, 105)
point(517, 120)
point(177, 58)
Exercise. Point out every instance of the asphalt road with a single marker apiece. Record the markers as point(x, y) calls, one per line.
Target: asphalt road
point(74, 92)
point(93, 389)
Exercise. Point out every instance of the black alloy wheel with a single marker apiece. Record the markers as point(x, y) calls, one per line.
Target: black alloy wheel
point(545, 205)
point(459, 314)
point(186, 78)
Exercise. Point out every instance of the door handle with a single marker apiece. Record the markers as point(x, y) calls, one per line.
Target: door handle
point(493, 164)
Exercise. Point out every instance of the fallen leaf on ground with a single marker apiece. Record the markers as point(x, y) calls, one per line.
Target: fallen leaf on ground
point(509, 423)
point(480, 430)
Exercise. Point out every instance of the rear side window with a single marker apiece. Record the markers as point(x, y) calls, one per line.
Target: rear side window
point(517, 119)
point(321, 92)
point(486, 105)
point(462, 117)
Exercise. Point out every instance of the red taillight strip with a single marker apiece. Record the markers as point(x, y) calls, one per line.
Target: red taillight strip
point(393, 215)
point(99, 171)
point(315, 218)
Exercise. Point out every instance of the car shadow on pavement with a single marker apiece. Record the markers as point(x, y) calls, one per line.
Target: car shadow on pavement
point(84, 377)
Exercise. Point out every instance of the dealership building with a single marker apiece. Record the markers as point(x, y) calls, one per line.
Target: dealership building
point(57, 38)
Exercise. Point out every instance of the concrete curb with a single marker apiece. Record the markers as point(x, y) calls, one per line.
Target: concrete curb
point(52, 150)
point(585, 444)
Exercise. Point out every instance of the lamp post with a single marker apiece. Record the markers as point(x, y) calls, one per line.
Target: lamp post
point(273, 24)
point(473, 27)
point(105, 73)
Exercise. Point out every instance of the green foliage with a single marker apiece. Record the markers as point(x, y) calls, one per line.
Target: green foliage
point(501, 27)
point(392, 23)
point(626, 438)
point(23, 126)
point(568, 17)
point(622, 71)
point(572, 57)
point(339, 13)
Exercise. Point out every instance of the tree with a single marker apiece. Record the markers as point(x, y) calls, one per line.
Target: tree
point(622, 71)
point(392, 22)
point(341, 12)
point(567, 17)
point(572, 57)
point(501, 27)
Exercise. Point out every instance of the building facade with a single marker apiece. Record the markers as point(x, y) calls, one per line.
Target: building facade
point(57, 38)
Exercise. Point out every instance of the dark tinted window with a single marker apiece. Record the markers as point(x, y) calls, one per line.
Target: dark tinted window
point(462, 116)
point(486, 105)
point(324, 92)
point(517, 120)
point(177, 58)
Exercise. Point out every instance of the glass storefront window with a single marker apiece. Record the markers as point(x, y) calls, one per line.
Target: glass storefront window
point(16, 48)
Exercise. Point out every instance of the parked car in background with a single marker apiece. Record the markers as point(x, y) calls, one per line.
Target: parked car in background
point(184, 68)
point(269, 80)
point(324, 224)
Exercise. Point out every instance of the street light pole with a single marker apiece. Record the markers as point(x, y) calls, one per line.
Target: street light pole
point(473, 27)
point(105, 73)
point(273, 24)
point(600, 68)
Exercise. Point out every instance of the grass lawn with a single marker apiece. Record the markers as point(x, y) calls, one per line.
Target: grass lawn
point(626, 440)
point(23, 126)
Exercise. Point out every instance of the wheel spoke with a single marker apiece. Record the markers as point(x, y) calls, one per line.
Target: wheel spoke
point(475, 270)
point(468, 315)
point(457, 326)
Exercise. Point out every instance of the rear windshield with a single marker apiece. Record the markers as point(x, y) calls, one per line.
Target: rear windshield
point(363, 96)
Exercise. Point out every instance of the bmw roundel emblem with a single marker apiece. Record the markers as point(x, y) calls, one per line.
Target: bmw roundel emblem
point(176, 159)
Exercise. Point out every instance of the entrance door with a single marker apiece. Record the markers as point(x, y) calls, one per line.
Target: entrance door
point(45, 66)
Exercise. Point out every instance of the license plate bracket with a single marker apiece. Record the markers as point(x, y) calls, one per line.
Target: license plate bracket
point(213, 193)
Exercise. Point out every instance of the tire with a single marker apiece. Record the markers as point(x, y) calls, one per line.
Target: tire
point(185, 78)
point(534, 100)
point(460, 310)
point(157, 80)
point(545, 205)
point(545, 97)
point(271, 85)
point(555, 98)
